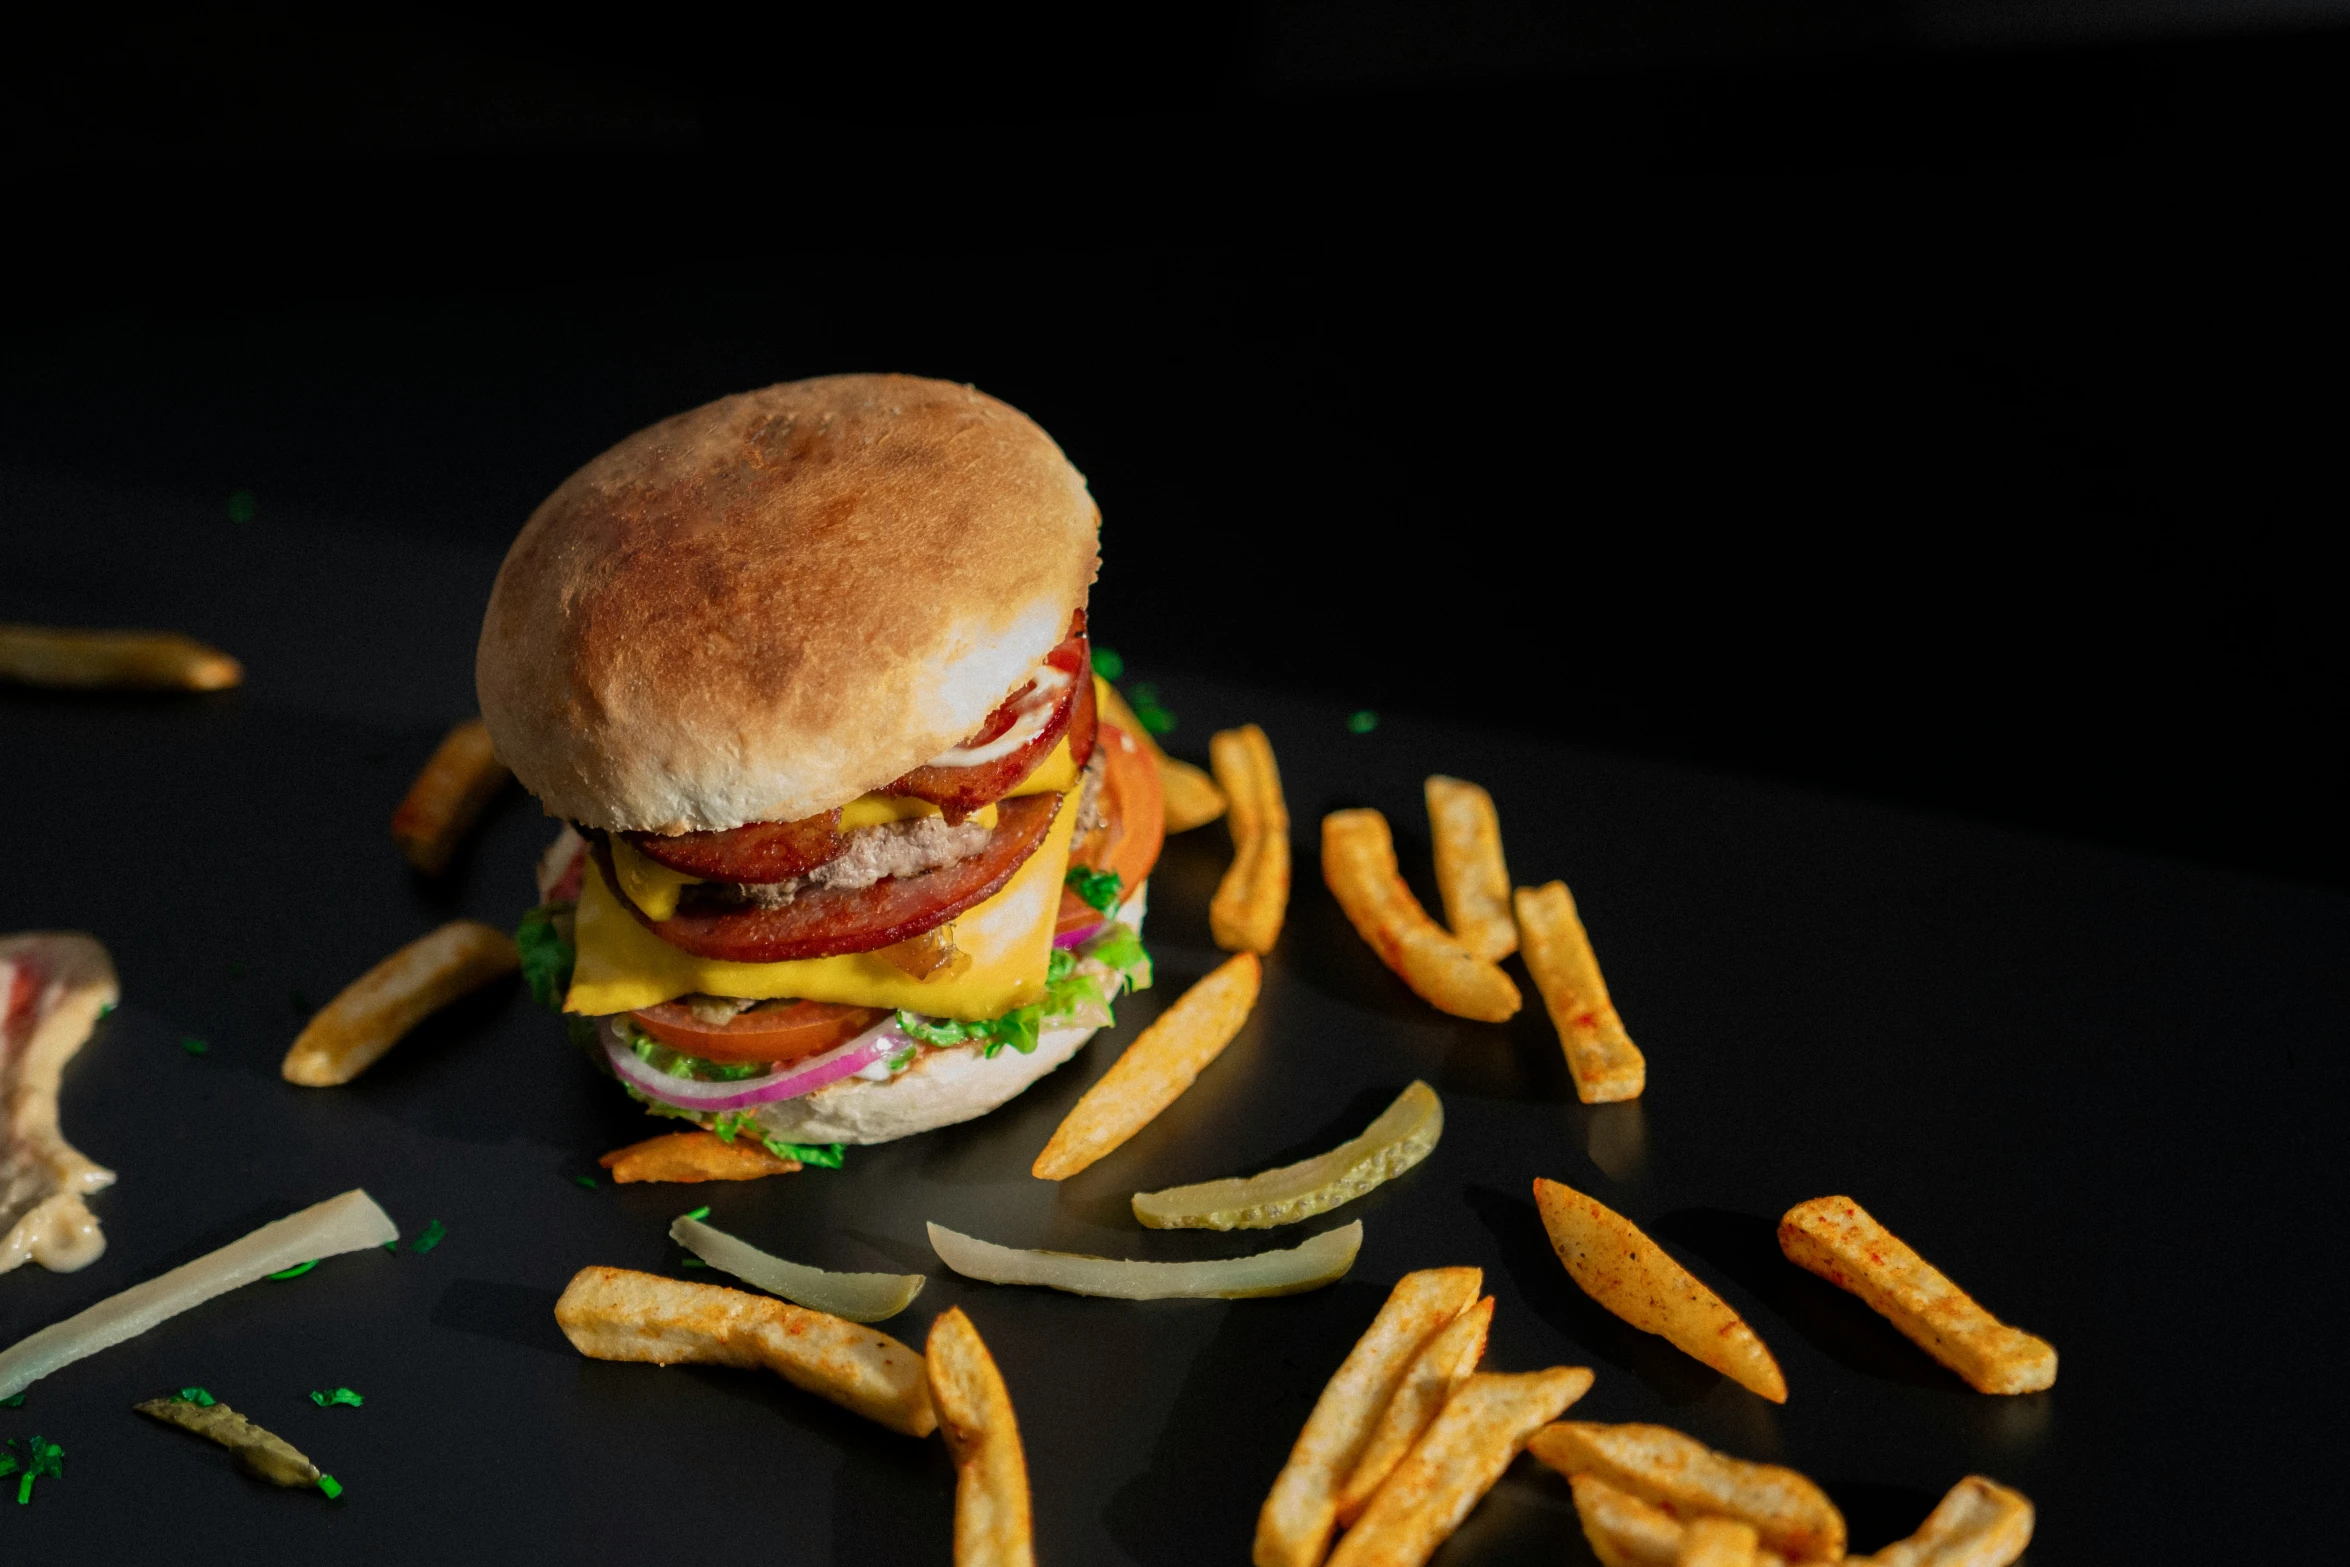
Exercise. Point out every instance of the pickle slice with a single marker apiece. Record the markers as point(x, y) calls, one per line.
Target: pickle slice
point(1404, 1134)
point(860, 1297)
point(262, 1454)
point(1322, 1260)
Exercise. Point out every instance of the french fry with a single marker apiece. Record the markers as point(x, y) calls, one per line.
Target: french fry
point(1716, 1542)
point(1358, 861)
point(1470, 874)
point(447, 797)
point(1836, 1238)
point(1246, 913)
point(381, 1005)
point(1601, 1057)
point(1436, 1373)
point(1980, 1523)
point(1294, 1527)
point(1450, 1469)
point(1616, 1265)
point(694, 1156)
point(992, 1526)
point(1625, 1531)
point(1155, 1070)
point(616, 1314)
point(1660, 1465)
point(1188, 798)
point(132, 660)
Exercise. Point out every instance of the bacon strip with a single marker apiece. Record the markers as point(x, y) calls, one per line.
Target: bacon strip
point(828, 921)
point(54, 986)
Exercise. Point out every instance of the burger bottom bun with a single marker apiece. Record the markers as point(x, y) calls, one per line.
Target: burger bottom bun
point(939, 1089)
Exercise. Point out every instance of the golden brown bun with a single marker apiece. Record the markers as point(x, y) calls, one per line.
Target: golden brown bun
point(770, 605)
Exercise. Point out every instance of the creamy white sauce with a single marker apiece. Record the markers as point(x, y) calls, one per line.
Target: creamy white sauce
point(1034, 715)
point(43, 1178)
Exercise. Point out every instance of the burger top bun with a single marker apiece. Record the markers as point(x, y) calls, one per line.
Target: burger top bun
point(779, 601)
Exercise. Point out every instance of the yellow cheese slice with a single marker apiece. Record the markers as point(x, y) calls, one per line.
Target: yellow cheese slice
point(622, 966)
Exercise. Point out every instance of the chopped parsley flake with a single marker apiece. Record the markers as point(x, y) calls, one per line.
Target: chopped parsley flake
point(1362, 722)
point(331, 1486)
point(546, 956)
point(243, 506)
point(433, 1232)
point(12, 1401)
point(1098, 889)
point(193, 1046)
point(341, 1395)
point(196, 1395)
point(41, 1460)
point(297, 1270)
point(824, 1156)
point(587, 1181)
point(703, 1212)
point(1144, 699)
point(1107, 663)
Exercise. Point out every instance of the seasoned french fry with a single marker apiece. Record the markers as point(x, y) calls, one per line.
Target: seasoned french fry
point(616, 1314)
point(1294, 1527)
point(1625, 1531)
point(991, 1472)
point(1246, 913)
point(134, 660)
point(1188, 798)
point(1660, 1465)
point(1470, 874)
point(1358, 861)
point(381, 1005)
point(1630, 1275)
point(1156, 1069)
point(694, 1156)
point(1716, 1542)
point(261, 1454)
point(1436, 1373)
point(448, 796)
point(1980, 1523)
point(1601, 1057)
point(1451, 1468)
point(1836, 1238)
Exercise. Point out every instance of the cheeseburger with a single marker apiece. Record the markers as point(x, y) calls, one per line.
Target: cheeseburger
point(850, 852)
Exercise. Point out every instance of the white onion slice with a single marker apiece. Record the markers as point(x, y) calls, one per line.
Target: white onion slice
point(1322, 1260)
point(860, 1297)
point(351, 1222)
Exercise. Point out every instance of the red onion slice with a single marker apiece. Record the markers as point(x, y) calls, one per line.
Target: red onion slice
point(1079, 937)
point(803, 1077)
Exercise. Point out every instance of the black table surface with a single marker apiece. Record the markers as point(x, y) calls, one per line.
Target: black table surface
point(2101, 1091)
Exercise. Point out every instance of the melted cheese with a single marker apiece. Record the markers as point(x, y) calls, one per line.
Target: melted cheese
point(623, 966)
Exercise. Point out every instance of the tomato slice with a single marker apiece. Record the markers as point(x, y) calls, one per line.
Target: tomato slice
point(779, 1033)
point(1133, 830)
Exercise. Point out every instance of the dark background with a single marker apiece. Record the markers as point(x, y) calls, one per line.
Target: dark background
point(1935, 403)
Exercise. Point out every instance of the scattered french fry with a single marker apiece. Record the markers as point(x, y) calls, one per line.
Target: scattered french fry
point(694, 1156)
point(1470, 873)
point(1443, 1364)
point(616, 1314)
point(1625, 1531)
point(1482, 1427)
point(1188, 797)
point(1660, 1465)
point(381, 1005)
point(1162, 1062)
point(1716, 1542)
point(447, 797)
point(131, 660)
point(1630, 1275)
point(1601, 1057)
point(1294, 1527)
point(1836, 1238)
point(992, 1527)
point(1251, 900)
point(1358, 861)
point(1980, 1523)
